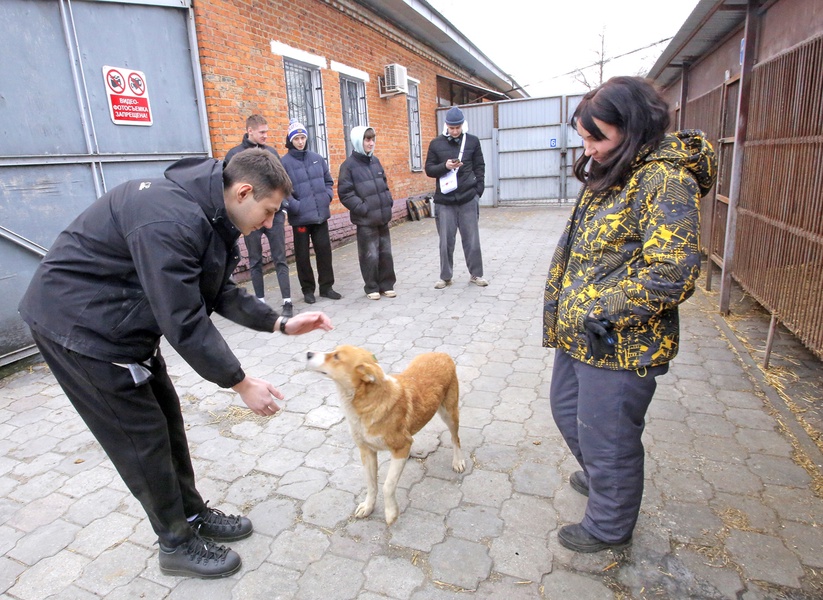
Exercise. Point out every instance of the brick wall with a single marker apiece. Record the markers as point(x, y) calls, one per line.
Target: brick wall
point(242, 76)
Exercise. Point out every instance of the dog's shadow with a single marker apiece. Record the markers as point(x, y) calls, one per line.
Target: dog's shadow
point(426, 441)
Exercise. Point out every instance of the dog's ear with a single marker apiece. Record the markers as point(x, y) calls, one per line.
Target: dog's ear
point(368, 372)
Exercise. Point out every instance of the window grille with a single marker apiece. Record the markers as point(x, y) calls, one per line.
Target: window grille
point(304, 94)
point(353, 99)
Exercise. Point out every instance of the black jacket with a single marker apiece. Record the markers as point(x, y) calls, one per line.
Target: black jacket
point(364, 190)
point(471, 177)
point(245, 145)
point(149, 258)
point(313, 187)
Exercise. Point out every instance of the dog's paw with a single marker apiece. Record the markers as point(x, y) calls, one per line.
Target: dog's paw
point(364, 510)
point(391, 515)
point(459, 465)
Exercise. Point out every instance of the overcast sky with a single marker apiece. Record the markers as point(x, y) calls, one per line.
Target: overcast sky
point(538, 41)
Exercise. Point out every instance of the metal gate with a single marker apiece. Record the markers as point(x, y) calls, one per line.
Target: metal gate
point(480, 121)
point(59, 148)
point(529, 149)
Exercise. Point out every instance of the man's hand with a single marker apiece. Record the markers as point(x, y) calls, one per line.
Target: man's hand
point(259, 394)
point(306, 322)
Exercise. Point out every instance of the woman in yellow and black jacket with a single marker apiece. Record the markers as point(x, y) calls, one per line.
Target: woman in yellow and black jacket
point(628, 256)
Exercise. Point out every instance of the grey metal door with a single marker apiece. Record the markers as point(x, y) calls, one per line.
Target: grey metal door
point(480, 122)
point(529, 149)
point(536, 149)
point(59, 147)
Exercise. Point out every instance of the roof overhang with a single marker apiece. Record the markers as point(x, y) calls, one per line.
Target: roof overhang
point(710, 23)
point(484, 92)
point(426, 25)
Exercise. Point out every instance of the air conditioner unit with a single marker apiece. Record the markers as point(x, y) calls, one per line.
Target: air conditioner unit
point(395, 80)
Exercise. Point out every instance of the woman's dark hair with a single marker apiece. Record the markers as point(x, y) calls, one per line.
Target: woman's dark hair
point(636, 108)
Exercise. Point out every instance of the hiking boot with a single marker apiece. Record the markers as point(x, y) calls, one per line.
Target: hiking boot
point(479, 281)
point(579, 483)
point(199, 558)
point(217, 526)
point(331, 294)
point(288, 310)
point(309, 298)
point(574, 537)
point(441, 283)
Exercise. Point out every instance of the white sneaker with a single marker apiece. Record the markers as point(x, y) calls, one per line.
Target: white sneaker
point(390, 294)
point(263, 300)
point(479, 281)
point(441, 283)
point(373, 296)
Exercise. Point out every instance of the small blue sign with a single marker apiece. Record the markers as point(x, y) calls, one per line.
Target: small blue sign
point(553, 143)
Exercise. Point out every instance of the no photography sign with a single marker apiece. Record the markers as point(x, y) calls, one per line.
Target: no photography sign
point(128, 96)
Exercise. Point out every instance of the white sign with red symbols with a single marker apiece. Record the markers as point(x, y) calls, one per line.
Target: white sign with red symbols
point(128, 96)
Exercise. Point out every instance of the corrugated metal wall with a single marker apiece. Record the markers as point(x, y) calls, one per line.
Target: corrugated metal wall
point(779, 241)
point(528, 147)
point(59, 149)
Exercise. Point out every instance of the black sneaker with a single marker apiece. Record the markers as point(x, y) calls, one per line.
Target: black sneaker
point(199, 558)
point(288, 310)
point(574, 537)
point(217, 526)
point(309, 298)
point(330, 294)
point(579, 483)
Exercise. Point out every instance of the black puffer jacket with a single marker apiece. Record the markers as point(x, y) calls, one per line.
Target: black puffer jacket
point(471, 177)
point(313, 187)
point(245, 144)
point(364, 190)
point(149, 258)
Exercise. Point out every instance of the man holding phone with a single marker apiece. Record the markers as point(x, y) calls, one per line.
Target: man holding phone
point(457, 153)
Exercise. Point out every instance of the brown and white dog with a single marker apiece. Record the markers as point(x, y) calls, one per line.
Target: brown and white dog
point(385, 411)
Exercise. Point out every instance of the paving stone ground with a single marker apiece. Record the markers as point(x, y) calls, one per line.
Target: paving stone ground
point(729, 509)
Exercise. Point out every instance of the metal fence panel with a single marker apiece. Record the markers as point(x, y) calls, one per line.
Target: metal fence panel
point(480, 122)
point(33, 48)
point(779, 237)
point(59, 149)
point(528, 147)
point(157, 44)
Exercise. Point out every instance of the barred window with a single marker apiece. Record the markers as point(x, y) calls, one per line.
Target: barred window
point(353, 99)
point(415, 136)
point(304, 94)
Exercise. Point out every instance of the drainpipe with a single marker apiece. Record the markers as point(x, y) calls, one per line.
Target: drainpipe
point(684, 95)
point(749, 47)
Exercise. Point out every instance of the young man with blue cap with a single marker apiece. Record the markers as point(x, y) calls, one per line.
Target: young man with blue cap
point(309, 213)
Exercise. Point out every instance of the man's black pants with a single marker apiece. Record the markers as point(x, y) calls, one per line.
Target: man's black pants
point(141, 430)
point(376, 262)
point(319, 236)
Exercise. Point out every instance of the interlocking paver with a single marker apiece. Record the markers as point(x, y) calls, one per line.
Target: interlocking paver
point(727, 512)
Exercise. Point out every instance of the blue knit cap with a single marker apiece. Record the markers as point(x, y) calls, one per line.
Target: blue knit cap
point(296, 128)
point(454, 116)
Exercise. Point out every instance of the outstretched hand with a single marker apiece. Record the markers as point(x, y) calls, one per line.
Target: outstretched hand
point(308, 321)
point(258, 395)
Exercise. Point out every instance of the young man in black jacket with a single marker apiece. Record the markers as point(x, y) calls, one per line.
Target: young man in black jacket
point(154, 258)
point(257, 132)
point(363, 189)
point(458, 209)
